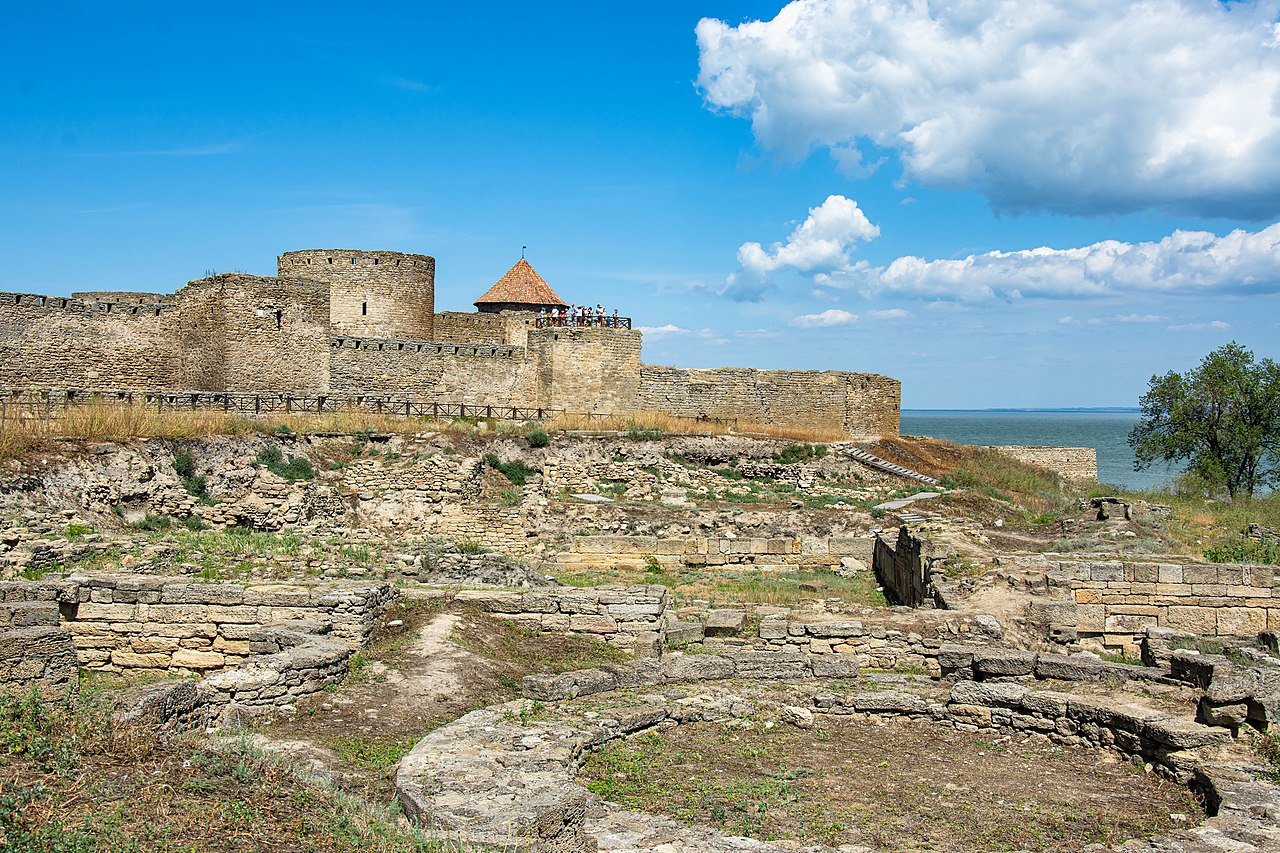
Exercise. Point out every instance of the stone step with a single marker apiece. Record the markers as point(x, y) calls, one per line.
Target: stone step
point(885, 465)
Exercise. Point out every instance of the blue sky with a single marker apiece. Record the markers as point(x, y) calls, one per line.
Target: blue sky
point(821, 186)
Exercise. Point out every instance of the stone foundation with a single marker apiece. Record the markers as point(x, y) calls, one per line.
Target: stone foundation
point(1114, 602)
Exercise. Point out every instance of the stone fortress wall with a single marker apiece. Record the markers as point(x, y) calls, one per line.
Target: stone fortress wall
point(851, 403)
point(371, 294)
point(1073, 463)
point(341, 321)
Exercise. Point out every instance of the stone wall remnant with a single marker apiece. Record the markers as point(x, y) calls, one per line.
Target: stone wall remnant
point(1071, 463)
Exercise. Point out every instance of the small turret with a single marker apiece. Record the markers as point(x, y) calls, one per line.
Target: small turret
point(521, 289)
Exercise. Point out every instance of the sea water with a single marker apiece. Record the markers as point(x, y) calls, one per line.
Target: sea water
point(1105, 431)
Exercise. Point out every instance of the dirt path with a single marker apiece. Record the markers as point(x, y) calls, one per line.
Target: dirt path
point(355, 735)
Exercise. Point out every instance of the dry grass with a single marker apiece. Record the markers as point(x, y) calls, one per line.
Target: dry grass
point(73, 780)
point(110, 421)
point(640, 423)
point(1197, 524)
point(118, 422)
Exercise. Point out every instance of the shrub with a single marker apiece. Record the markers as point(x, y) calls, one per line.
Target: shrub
point(77, 531)
point(297, 468)
point(515, 470)
point(153, 523)
point(184, 465)
point(537, 438)
point(794, 453)
point(1247, 551)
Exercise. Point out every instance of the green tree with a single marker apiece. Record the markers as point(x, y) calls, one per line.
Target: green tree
point(1222, 418)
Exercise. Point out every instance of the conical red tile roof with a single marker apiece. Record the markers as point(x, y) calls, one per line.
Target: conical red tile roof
point(523, 286)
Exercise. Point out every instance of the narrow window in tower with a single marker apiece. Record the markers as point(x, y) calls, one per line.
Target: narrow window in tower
point(364, 309)
point(279, 316)
point(331, 260)
point(375, 262)
point(353, 262)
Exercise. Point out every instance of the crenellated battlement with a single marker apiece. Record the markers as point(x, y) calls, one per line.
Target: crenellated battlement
point(353, 322)
point(371, 294)
point(430, 347)
point(80, 304)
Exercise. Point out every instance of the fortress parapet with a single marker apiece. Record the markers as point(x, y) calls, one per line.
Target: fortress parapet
point(352, 322)
point(371, 294)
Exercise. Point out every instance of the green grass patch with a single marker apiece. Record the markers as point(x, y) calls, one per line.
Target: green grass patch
point(77, 531)
point(471, 546)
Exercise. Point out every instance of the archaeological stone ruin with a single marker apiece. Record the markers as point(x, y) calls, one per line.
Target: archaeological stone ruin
point(743, 584)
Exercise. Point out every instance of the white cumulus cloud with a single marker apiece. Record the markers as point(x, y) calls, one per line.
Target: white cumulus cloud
point(1078, 106)
point(820, 245)
point(1184, 262)
point(1239, 262)
point(657, 333)
point(1212, 325)
point(709, 337)
point(830, 317)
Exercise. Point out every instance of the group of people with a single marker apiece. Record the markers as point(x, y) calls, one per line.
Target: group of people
point(583, 316)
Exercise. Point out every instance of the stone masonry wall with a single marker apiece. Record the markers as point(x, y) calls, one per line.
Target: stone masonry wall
point(35, 652)
point(854, 404)
point(252, 333)
point(461, 327)
point(371, 294)
point(586, 370)
point(1115, 602)
point(126, 297)
point(1071, 463)
point(145, 622)
point(508, 327)
point(57, 342)
point(809, 552)
point(477, 374)
point(619, 615)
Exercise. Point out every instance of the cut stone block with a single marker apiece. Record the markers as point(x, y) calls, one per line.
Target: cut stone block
point(725, 623)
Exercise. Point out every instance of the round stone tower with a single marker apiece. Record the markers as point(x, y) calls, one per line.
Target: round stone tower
point(371, 294)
